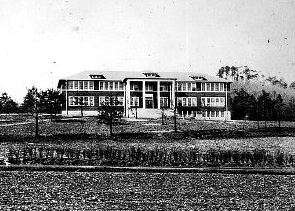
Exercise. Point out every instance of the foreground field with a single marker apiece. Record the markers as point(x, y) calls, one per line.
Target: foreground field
point(144, 191)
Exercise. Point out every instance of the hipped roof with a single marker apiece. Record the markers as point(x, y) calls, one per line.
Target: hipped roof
point(122, 75)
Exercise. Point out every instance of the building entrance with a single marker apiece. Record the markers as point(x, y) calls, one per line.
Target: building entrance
point(149, 101)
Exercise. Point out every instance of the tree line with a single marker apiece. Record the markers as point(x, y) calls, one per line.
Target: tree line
point(44, 101)
point(257, 97)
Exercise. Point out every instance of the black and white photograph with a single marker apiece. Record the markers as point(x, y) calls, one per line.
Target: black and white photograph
point(147, 104)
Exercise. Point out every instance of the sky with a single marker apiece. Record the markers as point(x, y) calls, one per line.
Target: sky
point(42, 41)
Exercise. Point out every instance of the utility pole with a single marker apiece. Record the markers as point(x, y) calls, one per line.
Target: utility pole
point(36, 118)
point(175, 109)
point(226, 102)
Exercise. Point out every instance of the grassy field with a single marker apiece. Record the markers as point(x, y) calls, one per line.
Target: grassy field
point(23, 125)
point(144, 191)
point(147, 143)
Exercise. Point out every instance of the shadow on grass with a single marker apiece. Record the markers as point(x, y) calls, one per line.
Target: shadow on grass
point(183, 135)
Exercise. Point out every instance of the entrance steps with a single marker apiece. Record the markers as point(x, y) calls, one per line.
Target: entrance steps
point(150, 113)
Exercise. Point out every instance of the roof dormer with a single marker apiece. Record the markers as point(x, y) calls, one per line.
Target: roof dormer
point(97, 77)
point(151, 74)
point(198, 78)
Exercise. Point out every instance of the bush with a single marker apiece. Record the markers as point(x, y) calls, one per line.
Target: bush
point(136, 156)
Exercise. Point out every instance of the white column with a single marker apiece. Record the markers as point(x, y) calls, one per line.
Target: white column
point(67, 98)
point(127, 94)
point(225, 101)
point(172, 100)
point(158, 93)
point(143, 94)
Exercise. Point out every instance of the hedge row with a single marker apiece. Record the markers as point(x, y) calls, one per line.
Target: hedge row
point(154, 157)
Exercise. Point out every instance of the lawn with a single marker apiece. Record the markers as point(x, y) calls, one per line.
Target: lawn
point(24, 125)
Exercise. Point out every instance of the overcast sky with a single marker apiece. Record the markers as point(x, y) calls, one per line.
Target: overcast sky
point(42, 41)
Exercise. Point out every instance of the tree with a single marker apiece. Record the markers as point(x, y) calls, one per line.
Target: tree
point(278, 108)
point(235, 74)
point(51, 102)
point(292, 85)
point(265, 106)
point(32, 104)
point(279, 82)
point(250, 74)
point(7, 105)
point(109, 112)
point(243, 104)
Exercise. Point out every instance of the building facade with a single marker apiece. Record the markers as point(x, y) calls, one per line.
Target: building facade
point(147, 94)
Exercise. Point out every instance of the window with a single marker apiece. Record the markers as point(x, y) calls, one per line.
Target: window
point(81, 85)
point(222, 113)
point(101, 85)
point(183, 87)
point(203, 101)
point(116, 86)
point(212, 86)
point(208, 102)
point(179, 101)
point(189, 101)
point(212, 113)
point(222, 87)
point(101, 100)
point(149, 87)
point(120, 85)
point(75, 100)
point(121, 100)
point(71, 101)
point(75, 84)
point(204, 114)
point(85, 84)
point(203, 86)
point(216, 87)
point(217, 113)
point(164, 102)
point(91, 101)
point(91, 85)
point(179, 87)
point(194, 87)
point(106, 85)
point(213, 101)
point(81, 100)
point(198, 86)
point(134, 101)
point(85, 100)
point(134, 86)
point(222, 101)
point(107, 100)
point(184, 101)
point(71, 85)
point(189, 87)
point(111, 85)
point(207, 86)
point(194, 101)
point(164, 87)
